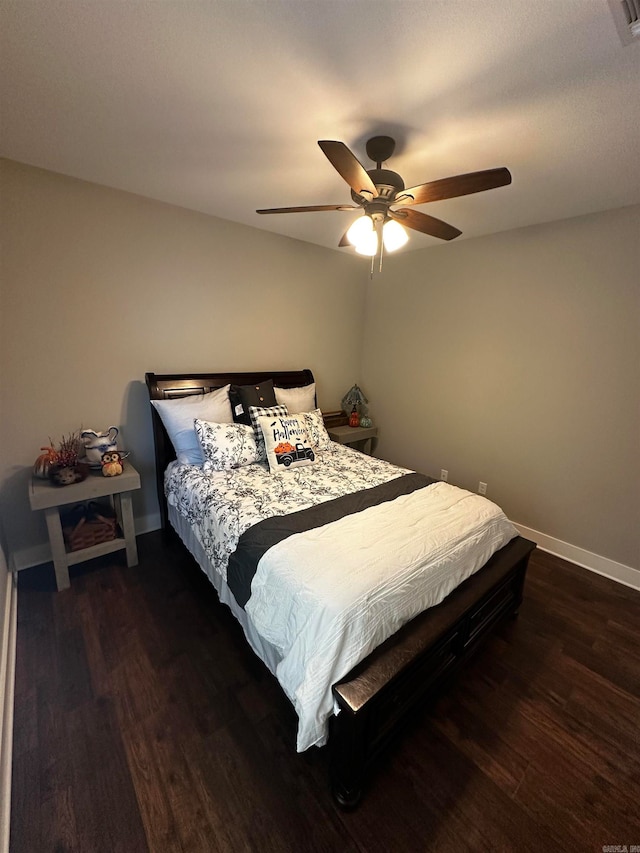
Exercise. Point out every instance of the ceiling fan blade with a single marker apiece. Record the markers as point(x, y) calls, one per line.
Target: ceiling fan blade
point(473, 182)
point(308, 209)
point(349, 167)
point(343, 240)
point(426, 224)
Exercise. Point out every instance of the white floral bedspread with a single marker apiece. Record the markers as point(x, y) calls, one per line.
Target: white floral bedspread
point(221, 505)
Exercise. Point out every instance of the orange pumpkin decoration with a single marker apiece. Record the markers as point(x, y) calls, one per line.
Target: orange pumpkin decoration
point(284, 447)
point(44, 462)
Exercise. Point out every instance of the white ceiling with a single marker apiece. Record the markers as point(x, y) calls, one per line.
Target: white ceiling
point(217, 106)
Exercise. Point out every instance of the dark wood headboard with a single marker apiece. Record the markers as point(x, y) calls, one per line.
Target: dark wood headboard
point(165, 386)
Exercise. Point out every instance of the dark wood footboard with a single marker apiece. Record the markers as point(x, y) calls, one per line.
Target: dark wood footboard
point(380, 695)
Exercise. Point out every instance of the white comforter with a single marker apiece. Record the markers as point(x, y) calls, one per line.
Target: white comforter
point(327, 597)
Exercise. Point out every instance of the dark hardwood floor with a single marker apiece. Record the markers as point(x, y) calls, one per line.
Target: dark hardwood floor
point(144, 722)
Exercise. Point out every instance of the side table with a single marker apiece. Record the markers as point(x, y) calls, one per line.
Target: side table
point(44, 495)
point(355, 436)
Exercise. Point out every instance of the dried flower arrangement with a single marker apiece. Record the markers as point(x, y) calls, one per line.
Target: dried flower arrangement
point(60, 464)
point(68, 450)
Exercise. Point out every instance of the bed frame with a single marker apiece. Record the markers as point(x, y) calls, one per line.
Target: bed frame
point(379, 697)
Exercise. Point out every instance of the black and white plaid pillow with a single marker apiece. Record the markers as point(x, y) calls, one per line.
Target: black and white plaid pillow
point(257, 411)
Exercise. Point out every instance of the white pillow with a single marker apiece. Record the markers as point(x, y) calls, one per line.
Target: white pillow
point(319, 438)
point(226, 446)
point(286, 442)
point(302, 399)
point(178, 416)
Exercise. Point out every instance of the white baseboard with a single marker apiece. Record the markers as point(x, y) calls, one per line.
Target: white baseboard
point(25, 558)
point(7, 687)
point(594, 562)
point(147, 523)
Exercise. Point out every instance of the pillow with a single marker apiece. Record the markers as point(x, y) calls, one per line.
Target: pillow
point(256, 412)
point(178, 415)
point(226, 446)
point(286, 442)
point(319, 438)
point(245, 396)
point(302, 399)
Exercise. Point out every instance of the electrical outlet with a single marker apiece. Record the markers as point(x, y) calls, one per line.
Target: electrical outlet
point(444, 475)
point(482, 488)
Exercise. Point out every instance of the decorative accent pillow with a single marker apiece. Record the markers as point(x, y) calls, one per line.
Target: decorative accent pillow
point(256, 412)
point(286, 442)
point(316, 430)
point(178, 415)
point(226, 446)
point(301, 399)
point(245, 396)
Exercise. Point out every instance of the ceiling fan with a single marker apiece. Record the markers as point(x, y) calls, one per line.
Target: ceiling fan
point(386, 203)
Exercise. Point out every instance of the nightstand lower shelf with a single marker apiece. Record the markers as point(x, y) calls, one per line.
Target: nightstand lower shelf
point(82, 554)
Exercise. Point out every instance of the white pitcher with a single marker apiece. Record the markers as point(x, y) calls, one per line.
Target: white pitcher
point(97, 443)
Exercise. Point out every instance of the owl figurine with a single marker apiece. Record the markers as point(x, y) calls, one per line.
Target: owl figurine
point(111, 463)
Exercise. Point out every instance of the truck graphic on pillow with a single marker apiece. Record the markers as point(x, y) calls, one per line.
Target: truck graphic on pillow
point(286, 453)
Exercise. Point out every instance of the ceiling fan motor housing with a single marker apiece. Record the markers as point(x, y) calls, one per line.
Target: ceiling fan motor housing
point(388, 184)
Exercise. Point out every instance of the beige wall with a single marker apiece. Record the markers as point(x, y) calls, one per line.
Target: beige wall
point(512, 359)
point(515, 359)
point(99, 286)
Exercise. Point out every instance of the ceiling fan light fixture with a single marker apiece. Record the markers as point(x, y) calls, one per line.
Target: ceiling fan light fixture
point(394, 235)
point(368, 245)
point(360, 229)
point(362, 235)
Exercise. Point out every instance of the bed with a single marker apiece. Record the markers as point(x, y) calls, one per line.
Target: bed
point(359, 680)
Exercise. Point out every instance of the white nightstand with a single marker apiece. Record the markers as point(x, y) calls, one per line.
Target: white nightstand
point(44, 495)
point(355, 437)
